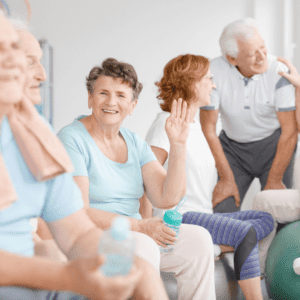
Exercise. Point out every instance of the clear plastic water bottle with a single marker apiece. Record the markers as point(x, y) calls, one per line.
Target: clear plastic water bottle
point(172, 219)
point(117, 245)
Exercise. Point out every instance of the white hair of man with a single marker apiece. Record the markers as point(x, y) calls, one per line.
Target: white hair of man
point(243, 29)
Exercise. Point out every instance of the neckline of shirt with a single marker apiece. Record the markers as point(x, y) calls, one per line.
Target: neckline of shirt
point(122, 131)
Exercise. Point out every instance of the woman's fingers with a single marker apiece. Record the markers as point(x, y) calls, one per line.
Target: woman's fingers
point(174, 109)
point(286, 62)
point(179, 104)
point(184, 109)
point(188, 117)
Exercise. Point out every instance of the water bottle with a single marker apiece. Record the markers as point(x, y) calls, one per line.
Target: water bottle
point(172, 219)
point(117, 245)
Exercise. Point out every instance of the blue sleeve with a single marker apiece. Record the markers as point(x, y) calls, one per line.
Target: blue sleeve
point(74, 146)
point(144, 151)
point(63, 198)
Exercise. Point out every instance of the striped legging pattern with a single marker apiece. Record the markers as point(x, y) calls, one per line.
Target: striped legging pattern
point(241, 230)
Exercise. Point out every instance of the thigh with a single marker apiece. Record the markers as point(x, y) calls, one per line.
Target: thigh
point(223, 229)
point(236, 158)
point(268, 147)
point(147, 249)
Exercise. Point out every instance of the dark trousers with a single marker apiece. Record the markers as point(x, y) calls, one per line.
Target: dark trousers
point(251, 160)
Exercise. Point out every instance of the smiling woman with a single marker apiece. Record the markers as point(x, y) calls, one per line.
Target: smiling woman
point(114, 166)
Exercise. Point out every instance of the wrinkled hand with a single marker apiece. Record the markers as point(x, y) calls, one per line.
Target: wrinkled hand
point(293, 77)
point(275, 185)
point(225, 189)
point(87, 280)
point(158, 231)
point(178, 123)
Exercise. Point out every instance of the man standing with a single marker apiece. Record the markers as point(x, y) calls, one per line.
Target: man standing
point(257, 108)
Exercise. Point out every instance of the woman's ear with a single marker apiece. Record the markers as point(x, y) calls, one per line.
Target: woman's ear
point(89, 100)
point(133, 105)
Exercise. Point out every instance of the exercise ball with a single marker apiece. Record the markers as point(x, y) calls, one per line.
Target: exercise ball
point(282, 282)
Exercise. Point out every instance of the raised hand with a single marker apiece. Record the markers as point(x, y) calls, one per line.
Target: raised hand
point(158, 231)
point(293, 76)
point(178, 123)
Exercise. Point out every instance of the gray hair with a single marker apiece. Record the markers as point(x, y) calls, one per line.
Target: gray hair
point(116, 69)
point(243, 29)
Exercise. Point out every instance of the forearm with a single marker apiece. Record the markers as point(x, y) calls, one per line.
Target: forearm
point(32, 272)
point(174, 186)
point(222, 165)
point(103, 219)
point(145, 207)
point(285, 149)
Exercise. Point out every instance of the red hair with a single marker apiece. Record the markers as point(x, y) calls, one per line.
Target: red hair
point(180, 75)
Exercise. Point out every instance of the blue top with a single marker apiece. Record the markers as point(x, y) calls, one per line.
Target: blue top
point(113, 186)
point(52, 200)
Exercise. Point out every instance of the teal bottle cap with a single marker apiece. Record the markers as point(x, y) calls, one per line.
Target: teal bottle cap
point(173, 217)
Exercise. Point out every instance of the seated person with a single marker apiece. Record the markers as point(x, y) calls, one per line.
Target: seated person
point(283, 205)
point(43, 239)
point(189, 77)
point(113, 167)
point(34, 182)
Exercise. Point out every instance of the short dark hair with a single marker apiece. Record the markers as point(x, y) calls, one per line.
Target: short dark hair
point(116, 69)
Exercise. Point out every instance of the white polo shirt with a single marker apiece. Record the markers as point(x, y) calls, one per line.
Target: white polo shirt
point(201, 173)
point(248, 106)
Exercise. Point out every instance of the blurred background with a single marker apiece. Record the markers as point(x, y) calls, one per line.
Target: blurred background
point(146, 34)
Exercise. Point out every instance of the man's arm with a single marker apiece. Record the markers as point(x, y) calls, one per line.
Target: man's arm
point(285, 149)
point(226, 186)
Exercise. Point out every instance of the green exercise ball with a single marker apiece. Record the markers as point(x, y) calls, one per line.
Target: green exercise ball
point(282, 282)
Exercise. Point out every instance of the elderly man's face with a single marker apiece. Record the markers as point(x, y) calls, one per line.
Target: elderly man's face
point(252, 57)
point(35, 71)
point(12, 65)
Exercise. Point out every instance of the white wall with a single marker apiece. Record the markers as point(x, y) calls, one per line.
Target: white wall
point(145, 33)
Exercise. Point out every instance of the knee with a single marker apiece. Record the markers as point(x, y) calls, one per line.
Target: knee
point(197, 238)
point(260, 201)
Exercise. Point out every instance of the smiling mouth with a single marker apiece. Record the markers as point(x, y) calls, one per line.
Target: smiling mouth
point(110, 111)
point(260, 63)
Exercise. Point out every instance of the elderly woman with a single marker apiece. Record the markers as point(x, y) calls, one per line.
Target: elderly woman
point(31, 158)
point(188, 76)
point(113, 167)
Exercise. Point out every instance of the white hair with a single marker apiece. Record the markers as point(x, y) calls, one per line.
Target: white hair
point(243, 29)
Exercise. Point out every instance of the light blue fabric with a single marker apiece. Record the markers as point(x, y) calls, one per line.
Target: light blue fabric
point(114, 187)
point(52, 200)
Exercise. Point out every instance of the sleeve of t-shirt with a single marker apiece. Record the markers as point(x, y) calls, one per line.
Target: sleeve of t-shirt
point(144, 151)
point(284, 91)
point(74, 147)
point(157, 135)
point(63, 198)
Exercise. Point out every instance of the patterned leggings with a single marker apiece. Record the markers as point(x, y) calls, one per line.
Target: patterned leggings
point(241, 230)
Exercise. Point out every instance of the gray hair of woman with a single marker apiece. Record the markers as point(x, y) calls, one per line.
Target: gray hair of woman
point(243, 29)
point(116, 69)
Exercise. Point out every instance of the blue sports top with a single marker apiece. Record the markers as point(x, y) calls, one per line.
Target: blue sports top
point(52, 200)
point(113, 186)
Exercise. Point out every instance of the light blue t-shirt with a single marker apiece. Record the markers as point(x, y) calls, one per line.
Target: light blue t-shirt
point(52, 200)
point(113, 186)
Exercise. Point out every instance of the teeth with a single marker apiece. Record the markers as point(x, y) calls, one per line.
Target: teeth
point(110, 111)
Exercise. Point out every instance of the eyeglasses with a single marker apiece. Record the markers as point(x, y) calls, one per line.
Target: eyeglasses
point(211, 77)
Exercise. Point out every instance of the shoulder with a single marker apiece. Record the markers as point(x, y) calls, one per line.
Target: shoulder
point(74, 129)
point(219, 64)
